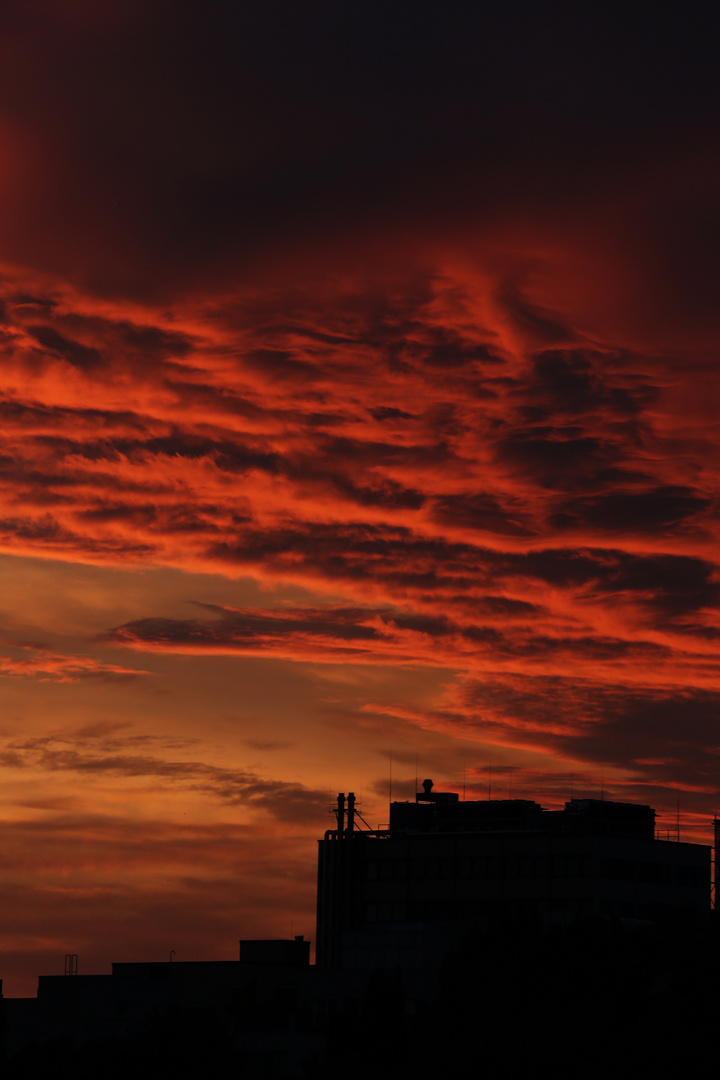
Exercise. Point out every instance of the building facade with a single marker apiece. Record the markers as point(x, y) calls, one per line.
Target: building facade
point(444, 868)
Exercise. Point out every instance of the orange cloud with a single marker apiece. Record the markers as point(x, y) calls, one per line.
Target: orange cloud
point(47, 665)
point(490, 490)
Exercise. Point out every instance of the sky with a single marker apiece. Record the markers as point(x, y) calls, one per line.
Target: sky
point(358, 424)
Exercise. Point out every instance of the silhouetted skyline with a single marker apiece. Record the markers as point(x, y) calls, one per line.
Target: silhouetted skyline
point(482, 909)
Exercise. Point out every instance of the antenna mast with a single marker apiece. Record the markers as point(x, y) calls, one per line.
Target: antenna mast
point(716, 862)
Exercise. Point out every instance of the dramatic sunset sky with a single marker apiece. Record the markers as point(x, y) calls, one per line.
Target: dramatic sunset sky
point(359, 404)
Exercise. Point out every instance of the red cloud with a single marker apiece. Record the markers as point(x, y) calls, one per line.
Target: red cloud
point(51, 666)
point(397, 443)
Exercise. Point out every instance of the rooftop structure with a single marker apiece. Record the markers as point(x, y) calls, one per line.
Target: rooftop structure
point(404, 895)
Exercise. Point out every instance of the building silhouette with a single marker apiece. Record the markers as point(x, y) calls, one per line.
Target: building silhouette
point(406, 916)
point(403, 896)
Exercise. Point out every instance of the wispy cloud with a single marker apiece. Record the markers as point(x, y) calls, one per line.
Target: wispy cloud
point(47, 665)
point(285, 801)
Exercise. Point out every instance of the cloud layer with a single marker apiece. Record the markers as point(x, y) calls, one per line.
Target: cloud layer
point(490, 490)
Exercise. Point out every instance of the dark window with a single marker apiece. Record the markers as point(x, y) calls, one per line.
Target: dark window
point(567, 866)
point(620, 909)
point(618, 869)
point(575, 866)
point(489, 867)
point(654, 873)
point(691, 877)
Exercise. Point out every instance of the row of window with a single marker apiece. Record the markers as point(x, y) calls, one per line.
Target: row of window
point(482, 867)
point(494, 867)
point(471, 909)
point(690, 877)
point(513, 908)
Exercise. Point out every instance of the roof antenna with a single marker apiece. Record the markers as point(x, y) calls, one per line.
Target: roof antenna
point(716, 861)
point(390, 798)
point(464, 771)
point(602, 784)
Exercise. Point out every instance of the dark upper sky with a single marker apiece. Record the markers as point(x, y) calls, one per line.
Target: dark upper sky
point(193, 138)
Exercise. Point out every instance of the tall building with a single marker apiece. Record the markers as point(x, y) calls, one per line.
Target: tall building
point(403, 896)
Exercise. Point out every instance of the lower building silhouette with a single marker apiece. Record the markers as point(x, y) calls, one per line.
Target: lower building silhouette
point(577, 899)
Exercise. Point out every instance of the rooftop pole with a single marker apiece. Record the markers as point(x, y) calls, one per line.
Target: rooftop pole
point(716, 861)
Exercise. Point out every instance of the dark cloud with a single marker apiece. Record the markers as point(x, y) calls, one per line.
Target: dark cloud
point(242, 627)
point(356, 553)
point(366, 635)
point(577, 381)
point(440, 347)
point(47, 534)
point(661, 733)
point(632, 511)
point(278, 364)
point(539, 325)
point(31, 413)
point(286, 801)
point(557, 458)
point(671, 582)
point(385, 412)
point(145, 342)
point(79, 355)
point(675, 584)
point(482, 512)
point(387, 494)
